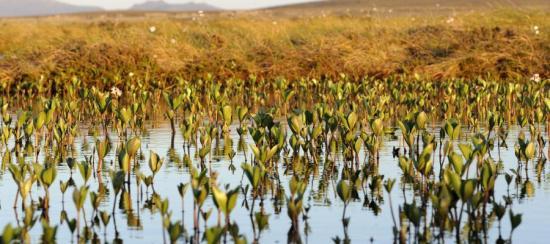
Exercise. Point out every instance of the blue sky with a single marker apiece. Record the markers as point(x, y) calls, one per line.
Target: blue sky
point(226, 4)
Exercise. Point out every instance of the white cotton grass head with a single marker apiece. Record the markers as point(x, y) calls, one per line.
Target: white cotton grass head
point(536, 78)
point(152, 29)
point(450, 20)
point(115, 92)
point(536, 29)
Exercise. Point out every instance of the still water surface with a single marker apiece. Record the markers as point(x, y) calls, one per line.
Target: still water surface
point(323, 224)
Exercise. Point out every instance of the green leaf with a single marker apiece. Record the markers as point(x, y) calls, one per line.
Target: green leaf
point(117, 179)
point(85, 171)
point(271, 152)
point(204, 151)
point(296, 124)
point(79, 196)
point(468, 187)
point(242, 111)
point(256, 151)
point(352, 120)
point(404, 164)
point(377, 127)
point(389, 185)
point(8, 234)
point(220, 199)
point(133, 146)
point(48, 176)
point(455, 180)
point(214, 234)
point(232, 199)
point(358, 144)
point(344, 190)
point(466, 150)
point(72, 225)
point(40, 120)
point(125, 115)
point(155, 162)
point(456, 162)
point(25, 188)
point(124, 160)
point(515, 219)
point(530, 151)
point(175, 231)
point(262, 220)
point(6, 159)
point(421, 120)
point(102, 148)
point(182, 189)
point(105, 217)
point(227, 113)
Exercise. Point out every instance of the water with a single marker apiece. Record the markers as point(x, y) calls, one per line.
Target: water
point(324, 217)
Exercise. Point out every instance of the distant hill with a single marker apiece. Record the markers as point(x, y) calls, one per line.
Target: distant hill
point(18, 8)
point(15, 8)
point(164, 6)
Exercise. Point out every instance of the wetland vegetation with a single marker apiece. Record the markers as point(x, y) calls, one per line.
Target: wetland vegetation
point(435, 147)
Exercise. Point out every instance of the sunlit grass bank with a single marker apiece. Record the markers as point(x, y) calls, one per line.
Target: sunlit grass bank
point(504, 44)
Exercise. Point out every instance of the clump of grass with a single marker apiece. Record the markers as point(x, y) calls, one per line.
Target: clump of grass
point(499, 44)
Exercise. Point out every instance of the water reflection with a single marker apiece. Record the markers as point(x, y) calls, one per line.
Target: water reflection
point(134, 212)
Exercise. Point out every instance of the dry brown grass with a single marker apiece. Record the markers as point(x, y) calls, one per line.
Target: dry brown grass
point(499, 44)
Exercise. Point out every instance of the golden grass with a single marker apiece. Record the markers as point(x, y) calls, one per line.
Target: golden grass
point(501, 44)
